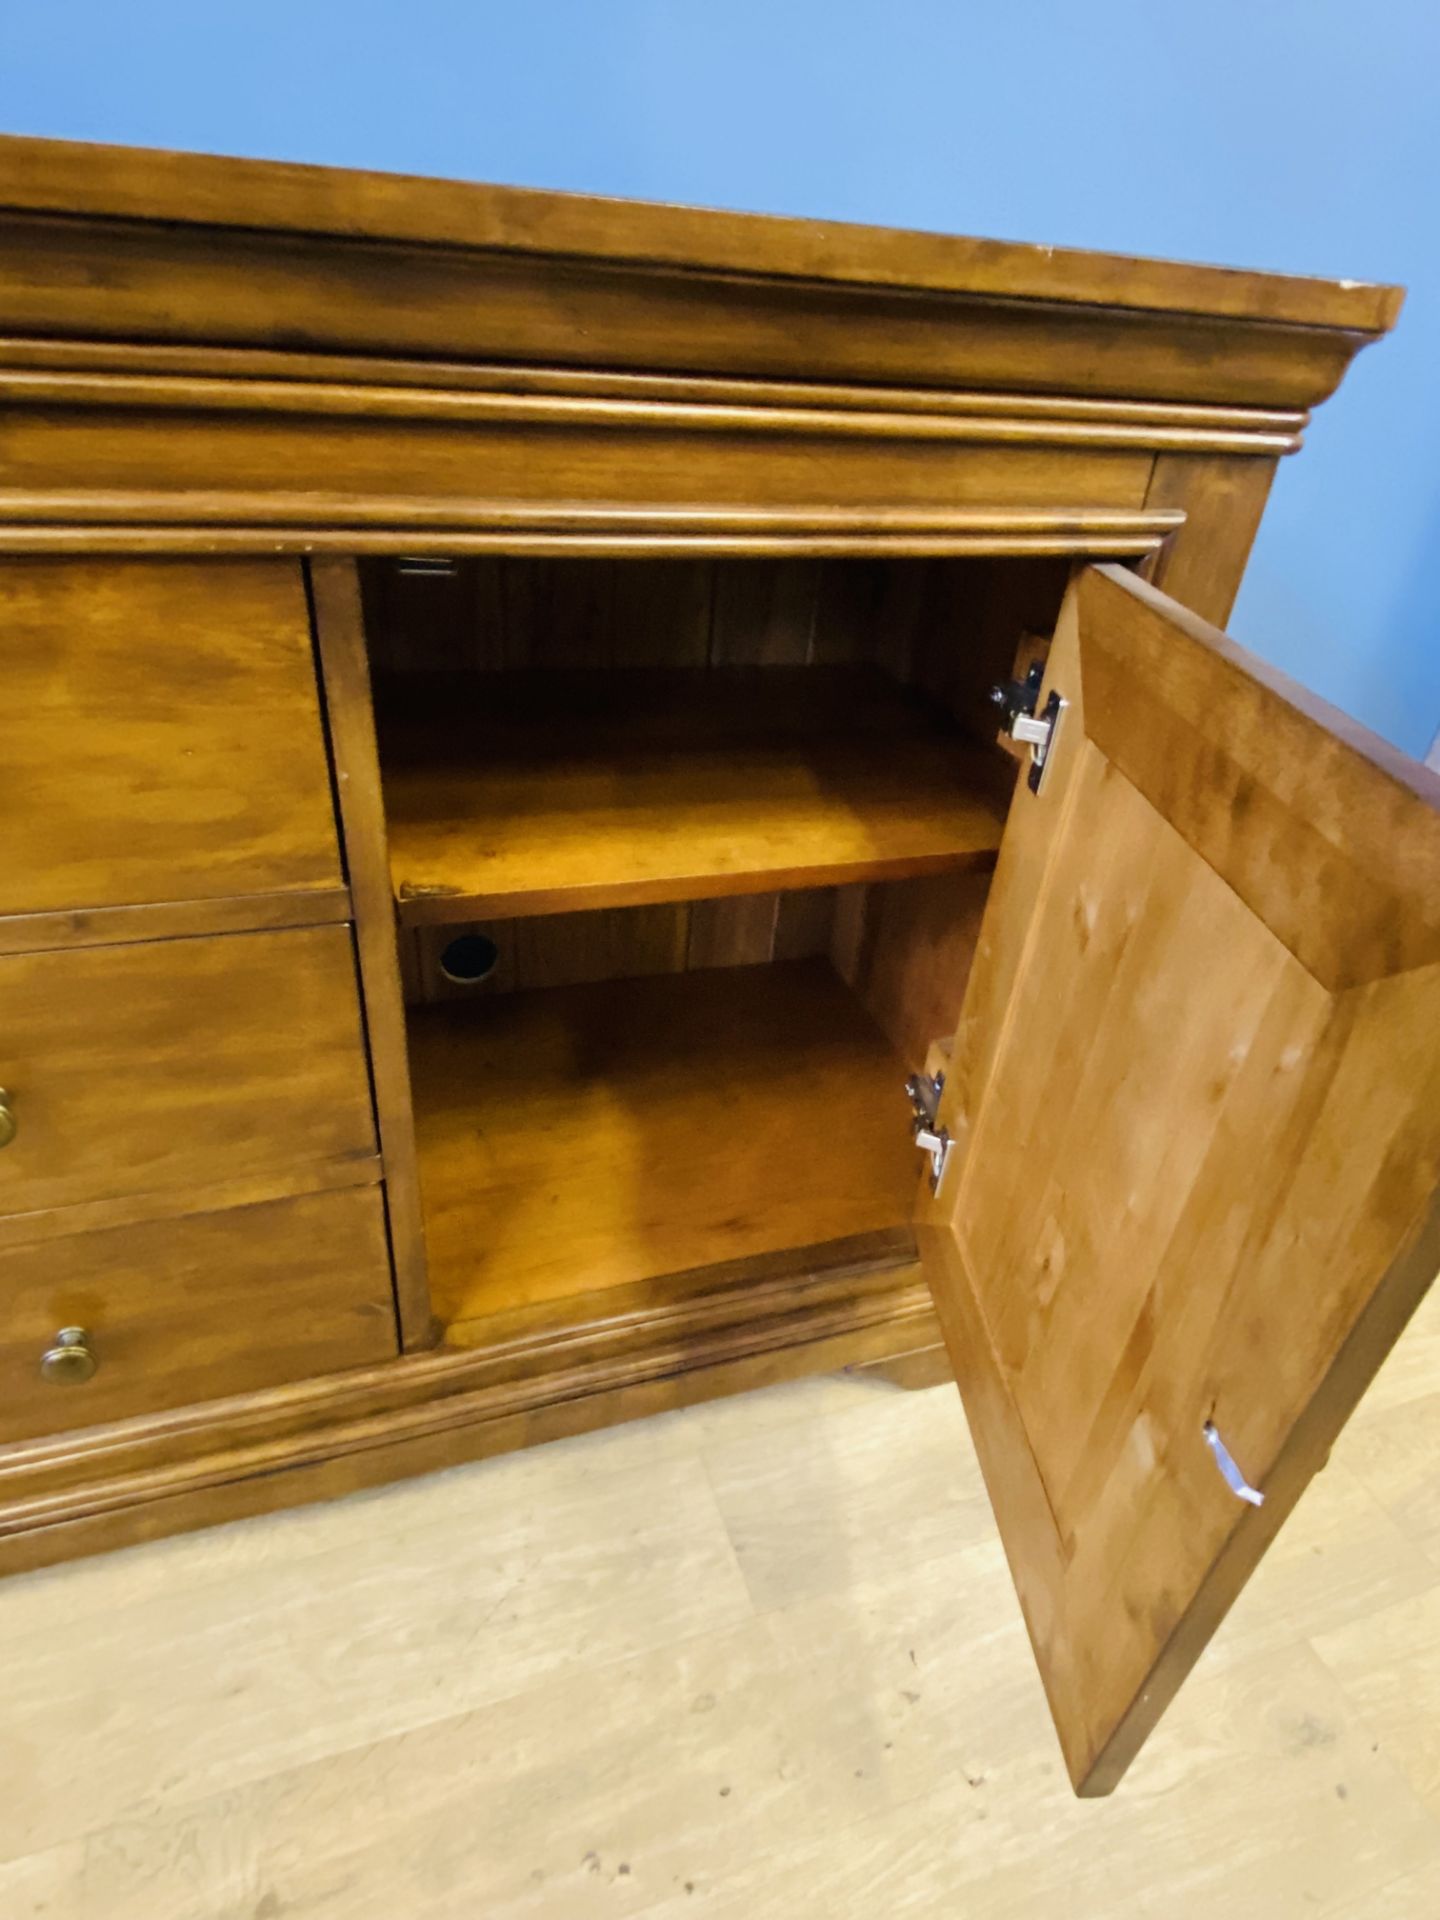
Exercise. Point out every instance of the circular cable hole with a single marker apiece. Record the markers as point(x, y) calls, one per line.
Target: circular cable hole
point(469, 959)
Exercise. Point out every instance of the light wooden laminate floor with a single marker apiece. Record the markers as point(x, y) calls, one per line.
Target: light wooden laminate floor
point(756, 1659)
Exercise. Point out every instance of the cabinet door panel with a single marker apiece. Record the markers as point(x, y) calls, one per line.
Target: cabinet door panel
point(1195, 1103)
point(160, 733)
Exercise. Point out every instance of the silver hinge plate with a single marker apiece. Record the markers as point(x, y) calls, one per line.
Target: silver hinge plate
point(1017, 701)
point(924, 1090)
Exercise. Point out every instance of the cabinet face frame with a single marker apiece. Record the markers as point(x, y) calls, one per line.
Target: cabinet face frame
point(1193, 1190)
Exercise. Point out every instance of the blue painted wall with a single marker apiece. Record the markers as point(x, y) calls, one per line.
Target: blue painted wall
point(1297, 134)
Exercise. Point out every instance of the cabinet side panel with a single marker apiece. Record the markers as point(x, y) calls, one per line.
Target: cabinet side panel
point(1224, 497)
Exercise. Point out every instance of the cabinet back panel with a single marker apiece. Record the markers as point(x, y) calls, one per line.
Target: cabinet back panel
point(622, 943)
point(949, 627)
point(903, 948)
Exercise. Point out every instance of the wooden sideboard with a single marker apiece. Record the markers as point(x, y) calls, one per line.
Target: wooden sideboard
point(530, 719)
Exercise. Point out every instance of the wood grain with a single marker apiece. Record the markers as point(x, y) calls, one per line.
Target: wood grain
point(631, 1577)
point(89, 1491)
point(585, 1138)
point(172, 919)
point(981, 621)
point(218, 1196)
point(654, 537)
point(1321, 827)
point(538, 525)
point(474, 471)
point(708, 793)
point(1202, 563)
point(220, 524)
point(778, 407)
point(557, 950)
point(623, 943)
point(1197, 1150)
point(190, 1309)
point(340, 641)
point(1198, 426)
point(214, 360)
point(162, 736)
point(147, 184)
point(519, 615)
point(178, 1063)
point(915, 957)
point(269, 291)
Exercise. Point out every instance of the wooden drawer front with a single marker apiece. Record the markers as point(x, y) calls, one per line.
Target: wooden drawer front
point(160, 734)
point(177, 1063)
point(176, 1311)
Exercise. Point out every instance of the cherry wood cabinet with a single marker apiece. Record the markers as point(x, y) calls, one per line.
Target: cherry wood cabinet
point(612, 804)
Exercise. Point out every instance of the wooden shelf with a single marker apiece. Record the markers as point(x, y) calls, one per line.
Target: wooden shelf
point(622, 789)
point(579, 1139)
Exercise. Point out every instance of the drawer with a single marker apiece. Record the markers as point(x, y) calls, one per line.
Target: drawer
point(160, 734)
point(179, 1063)
point(181, 1310)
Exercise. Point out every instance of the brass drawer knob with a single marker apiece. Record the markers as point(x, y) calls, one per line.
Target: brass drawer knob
point(70, 1362)
point(7, 1119)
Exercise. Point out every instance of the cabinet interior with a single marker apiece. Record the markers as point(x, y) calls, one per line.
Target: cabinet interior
point(688, 859)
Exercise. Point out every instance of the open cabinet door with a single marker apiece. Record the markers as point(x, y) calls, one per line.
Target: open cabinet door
point(1194, 1108)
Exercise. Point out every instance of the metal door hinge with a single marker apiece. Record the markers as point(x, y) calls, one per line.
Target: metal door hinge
point(1017, 700)
point(924, 1090)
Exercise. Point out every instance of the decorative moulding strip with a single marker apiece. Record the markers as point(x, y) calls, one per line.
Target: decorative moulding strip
point(72, 1477)
point(171, 919)
point(138, 185)
point(234, 1498)
point(308, 523)
point(264, 363)
point(656, 545)
point(574, 516)
point(197, 285)
point(979, 424)
point(93, 1216)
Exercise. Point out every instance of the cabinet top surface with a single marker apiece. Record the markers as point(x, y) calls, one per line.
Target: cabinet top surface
point(139, 184)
